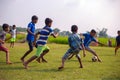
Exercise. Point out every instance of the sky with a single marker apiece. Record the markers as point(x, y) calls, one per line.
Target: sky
point(86, 14)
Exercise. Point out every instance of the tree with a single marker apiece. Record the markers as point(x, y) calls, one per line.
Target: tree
point(56, 30)
point(103, 32)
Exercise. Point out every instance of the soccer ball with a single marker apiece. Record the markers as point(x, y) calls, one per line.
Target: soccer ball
point(94, 59)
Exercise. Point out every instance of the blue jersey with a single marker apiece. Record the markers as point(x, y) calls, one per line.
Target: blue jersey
point(75, 41)
point(44, 34)
point(118, 40)
point(31, 27)
point(88, 39)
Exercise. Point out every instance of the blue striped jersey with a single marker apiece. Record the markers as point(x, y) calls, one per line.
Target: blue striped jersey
point(44, 34)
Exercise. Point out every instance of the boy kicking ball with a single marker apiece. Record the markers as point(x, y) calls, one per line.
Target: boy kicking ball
point(117, 42)
point(88, 38)
point(75, 43)
point(42, 48)
point(6, 29)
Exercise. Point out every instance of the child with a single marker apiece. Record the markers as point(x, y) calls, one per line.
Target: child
point(89, 37)
point(2, 41)
point(42, 48)
point(30, 35)
point(13, 33)
point(117, 42)
point(75, 43)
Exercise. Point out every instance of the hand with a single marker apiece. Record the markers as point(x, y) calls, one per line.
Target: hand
point(2, 42)
point(56, 34)
point(84, 54)
point(34, 43)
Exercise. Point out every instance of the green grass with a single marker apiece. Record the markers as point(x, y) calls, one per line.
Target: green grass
point(109, 69)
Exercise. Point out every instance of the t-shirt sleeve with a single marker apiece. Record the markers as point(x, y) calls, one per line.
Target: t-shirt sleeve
point(84, 34)
point(94, 40)
point(29, 26)
point(51, 31)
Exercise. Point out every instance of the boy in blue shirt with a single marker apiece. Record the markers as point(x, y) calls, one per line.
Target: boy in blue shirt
point(88, 38)
point(30, 35)
point(42, 48)
point(75, 43)
point(117, 43)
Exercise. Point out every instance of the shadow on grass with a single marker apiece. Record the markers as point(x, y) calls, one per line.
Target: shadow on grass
point(111, 79)
point(11, 68)
point(45, 70)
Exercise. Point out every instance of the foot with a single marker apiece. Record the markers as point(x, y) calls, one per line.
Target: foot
point(38, 60)
point(43, 60)
point(22, 60)
point(99, 60)
point(25, 65)
point(60, 68)
point(9, 63)
point(81, 66)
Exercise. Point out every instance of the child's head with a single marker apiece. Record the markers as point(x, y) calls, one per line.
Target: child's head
point(74, 28)
point(48, 22)
point(34, 19)
point(14, 27)
point(93, 32)
point(5, 27)
point(118, 32)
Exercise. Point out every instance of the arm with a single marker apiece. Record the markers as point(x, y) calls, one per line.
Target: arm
point(101, 43)
point(1, 41)
point(36, 35)
point(55, 35)
point(28, 30)
point(84, 54)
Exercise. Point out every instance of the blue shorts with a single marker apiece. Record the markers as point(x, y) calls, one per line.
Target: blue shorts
point(30, 44)
point(71, 51)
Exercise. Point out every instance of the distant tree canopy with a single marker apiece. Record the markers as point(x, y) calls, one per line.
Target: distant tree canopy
point(103, 33)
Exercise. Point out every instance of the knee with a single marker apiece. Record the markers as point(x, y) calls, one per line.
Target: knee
point(7, 51)
point(31, 50)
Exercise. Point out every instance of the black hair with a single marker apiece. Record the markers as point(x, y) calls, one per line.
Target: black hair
point(93, 31)
point(118, 31)
point(4, 26)
point(74, 28)
point(34, 17)
point(48, 20)
point(14, 25)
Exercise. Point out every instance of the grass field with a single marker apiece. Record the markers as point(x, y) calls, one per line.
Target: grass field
point(109, 69)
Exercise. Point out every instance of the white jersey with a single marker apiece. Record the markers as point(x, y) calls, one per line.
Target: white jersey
point(13, 32)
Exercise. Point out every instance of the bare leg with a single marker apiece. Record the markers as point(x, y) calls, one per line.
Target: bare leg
point(94, 53)
point(62, 65)
point(11, 44)
point(7, 58)
point(70, 56)
point(42, 56)
point(28, 61)
point(116, 49)
point(28, 52)
point(80, 62)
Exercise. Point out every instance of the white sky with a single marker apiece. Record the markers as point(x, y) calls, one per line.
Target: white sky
point(87, 14)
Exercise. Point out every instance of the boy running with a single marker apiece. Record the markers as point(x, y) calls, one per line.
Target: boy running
point(13, 33)
point(75, 43)
point(88, 38)
point(2, 41)
point(30, 35)
point(117, 43)
point(42, 48)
